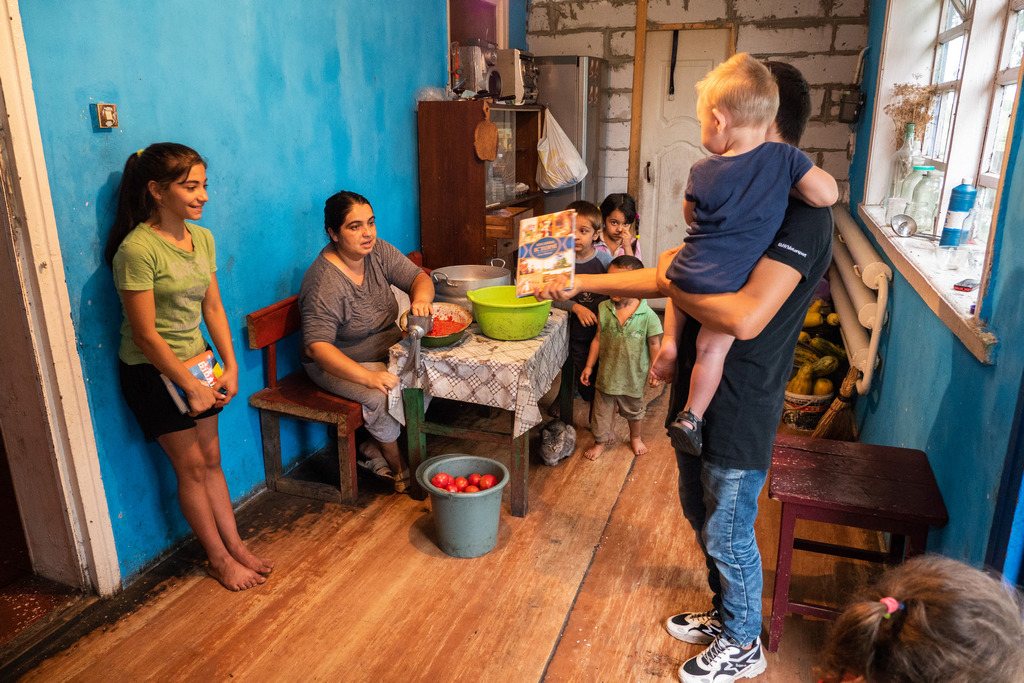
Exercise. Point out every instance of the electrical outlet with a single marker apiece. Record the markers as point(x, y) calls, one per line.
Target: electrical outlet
point(106, 115)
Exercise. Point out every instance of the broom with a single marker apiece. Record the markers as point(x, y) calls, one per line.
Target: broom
point(839, 422)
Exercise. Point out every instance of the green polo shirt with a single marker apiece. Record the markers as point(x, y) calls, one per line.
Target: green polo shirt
point(625, 358)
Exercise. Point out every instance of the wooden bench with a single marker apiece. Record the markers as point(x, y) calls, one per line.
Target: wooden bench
point(880, 488)
point(295, 396)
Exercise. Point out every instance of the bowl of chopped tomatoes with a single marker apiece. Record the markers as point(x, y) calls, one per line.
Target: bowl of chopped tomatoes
point(449, 325)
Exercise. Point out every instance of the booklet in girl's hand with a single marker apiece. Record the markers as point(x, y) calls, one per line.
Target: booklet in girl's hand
point(204, 367)
point(547, 249)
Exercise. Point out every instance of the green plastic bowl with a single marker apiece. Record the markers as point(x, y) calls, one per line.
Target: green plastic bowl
point(502, 315)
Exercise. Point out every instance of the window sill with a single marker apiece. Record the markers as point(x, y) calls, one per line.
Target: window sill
point(915, 260)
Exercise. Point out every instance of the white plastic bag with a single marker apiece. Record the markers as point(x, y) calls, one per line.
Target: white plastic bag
point(560, 165)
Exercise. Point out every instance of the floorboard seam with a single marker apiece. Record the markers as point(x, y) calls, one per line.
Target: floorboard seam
point(586, 572)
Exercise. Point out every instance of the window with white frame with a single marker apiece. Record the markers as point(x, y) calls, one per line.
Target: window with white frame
point(970, 51)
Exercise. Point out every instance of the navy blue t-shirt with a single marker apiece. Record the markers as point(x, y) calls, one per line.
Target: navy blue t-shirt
point(739, 203)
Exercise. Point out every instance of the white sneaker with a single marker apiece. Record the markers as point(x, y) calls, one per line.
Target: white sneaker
point(695, 627)
point(724, 662)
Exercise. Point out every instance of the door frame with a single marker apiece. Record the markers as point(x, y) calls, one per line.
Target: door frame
point(62, 501)
point(639, 57)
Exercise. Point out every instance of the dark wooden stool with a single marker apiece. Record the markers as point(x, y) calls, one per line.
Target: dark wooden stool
point(881, 488)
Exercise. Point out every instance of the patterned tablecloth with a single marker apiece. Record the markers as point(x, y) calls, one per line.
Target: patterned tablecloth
point(513, 375)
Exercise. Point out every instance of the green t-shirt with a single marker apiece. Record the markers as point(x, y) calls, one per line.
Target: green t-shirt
point(625, 358)
point(179, 280)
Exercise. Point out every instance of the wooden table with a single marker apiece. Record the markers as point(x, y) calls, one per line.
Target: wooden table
point(881, 488)
point(511, 375)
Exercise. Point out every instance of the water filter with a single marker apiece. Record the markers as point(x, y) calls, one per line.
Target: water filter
point(961, 201)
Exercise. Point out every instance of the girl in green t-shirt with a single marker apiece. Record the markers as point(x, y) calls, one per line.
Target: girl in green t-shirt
point(164, 272)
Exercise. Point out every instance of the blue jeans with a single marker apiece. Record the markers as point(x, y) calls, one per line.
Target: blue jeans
point(721, 506)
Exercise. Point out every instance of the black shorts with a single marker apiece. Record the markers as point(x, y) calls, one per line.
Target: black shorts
point(146, 394)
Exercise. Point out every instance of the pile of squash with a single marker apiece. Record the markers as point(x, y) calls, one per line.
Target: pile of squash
point(815, 357)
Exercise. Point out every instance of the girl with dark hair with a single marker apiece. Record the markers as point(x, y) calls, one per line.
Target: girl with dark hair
point(929, 620)
point(348, 323)
point(163, 267)
point(618, 236)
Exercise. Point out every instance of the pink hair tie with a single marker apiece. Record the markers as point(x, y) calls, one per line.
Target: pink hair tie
point(891, 605)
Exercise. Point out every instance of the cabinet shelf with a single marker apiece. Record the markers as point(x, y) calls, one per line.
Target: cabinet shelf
point(453, 180)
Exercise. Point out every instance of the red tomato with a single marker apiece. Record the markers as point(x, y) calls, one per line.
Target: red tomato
point(441, 480)
point(474, 479)
point(452, 488)
point(471, 489)
point(487, 481)
point(461, 483)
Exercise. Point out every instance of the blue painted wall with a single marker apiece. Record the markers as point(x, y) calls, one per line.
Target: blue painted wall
point(932, 393)
point(288, 102)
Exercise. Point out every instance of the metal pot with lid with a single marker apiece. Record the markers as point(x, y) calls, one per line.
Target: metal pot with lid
point(451, 283)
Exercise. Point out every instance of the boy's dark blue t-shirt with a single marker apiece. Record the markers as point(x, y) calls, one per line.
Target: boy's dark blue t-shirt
point(580, 335)
point(739, 203)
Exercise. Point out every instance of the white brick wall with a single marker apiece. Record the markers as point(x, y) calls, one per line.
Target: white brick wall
point(850, 8)
point(620, 76)
point(601, 14)
point(851, 37)
point(588, 44)
point(832, 136)
point(757, 10)
point(823, 69)
point(622, 44)
point(537, 19)
point(619, 105)
point(616, 135)
point(836, 163)
point(758, 41)
point(686, 11)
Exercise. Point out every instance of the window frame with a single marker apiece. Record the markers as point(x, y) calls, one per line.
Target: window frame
point(909, 46)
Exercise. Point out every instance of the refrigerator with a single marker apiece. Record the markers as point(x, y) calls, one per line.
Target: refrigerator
point(573, 89)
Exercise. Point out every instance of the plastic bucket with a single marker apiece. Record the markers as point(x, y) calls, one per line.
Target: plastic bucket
point(502, 315)
point(466, 524)
point(804, 411)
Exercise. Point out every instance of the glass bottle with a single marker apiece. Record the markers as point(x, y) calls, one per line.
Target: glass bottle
point(900, 166)
point(911, 182)
point(924, 206)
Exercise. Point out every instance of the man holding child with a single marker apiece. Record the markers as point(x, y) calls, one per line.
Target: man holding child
point(719, 489)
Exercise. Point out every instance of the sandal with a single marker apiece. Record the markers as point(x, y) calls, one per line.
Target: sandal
point(373, 461)
point(686, 433)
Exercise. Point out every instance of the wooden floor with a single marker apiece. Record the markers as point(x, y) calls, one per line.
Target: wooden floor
point(577, 591)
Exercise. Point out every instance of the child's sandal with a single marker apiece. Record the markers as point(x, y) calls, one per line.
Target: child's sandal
point(686, 433)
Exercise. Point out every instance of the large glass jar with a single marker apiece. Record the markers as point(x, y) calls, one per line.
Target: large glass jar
point(924, 205)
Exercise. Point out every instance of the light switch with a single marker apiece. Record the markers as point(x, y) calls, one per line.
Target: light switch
point(106, 115)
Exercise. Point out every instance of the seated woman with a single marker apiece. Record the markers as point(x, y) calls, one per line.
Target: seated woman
point(348, 318)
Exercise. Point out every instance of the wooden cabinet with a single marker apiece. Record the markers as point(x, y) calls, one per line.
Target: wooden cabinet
point(455, 197)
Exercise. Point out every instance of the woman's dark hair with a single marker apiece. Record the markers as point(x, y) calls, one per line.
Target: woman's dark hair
point(624, 203)
point(952, 623)
point(162, 163)
point(338, 206)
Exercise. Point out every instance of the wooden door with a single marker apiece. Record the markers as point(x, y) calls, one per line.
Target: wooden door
point(670, 132)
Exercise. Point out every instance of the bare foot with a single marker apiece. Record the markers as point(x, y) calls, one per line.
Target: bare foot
point(594, 452)
point(234, 576)
point(246, 558)
point(639, 447)
point(664, 366)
